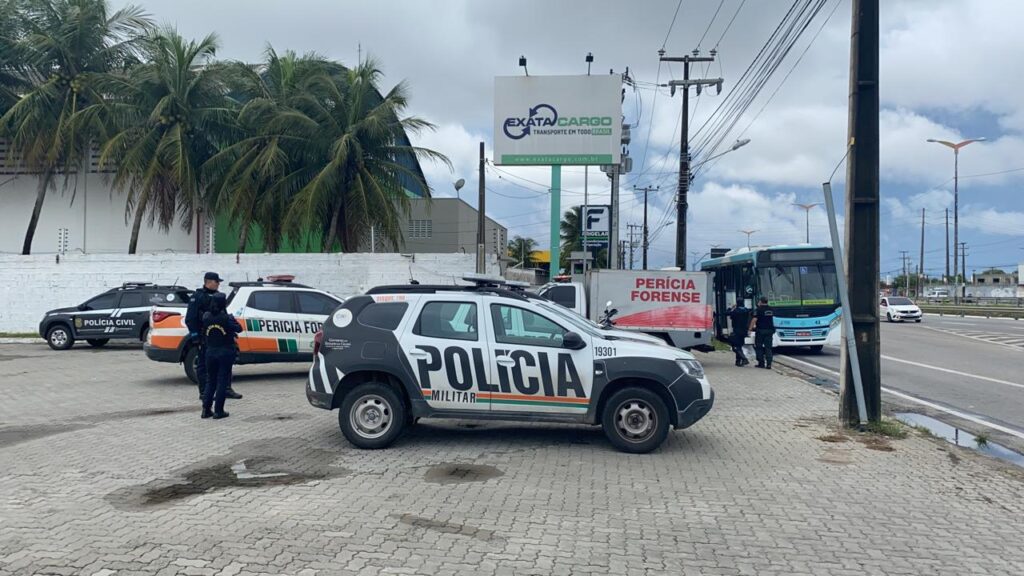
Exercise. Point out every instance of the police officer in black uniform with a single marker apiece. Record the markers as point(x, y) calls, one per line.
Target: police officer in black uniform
point(197, 306)
point(220, 330)
point(740, 317)
point(763, 326)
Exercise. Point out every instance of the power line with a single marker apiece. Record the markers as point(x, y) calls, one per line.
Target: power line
point(731, 20)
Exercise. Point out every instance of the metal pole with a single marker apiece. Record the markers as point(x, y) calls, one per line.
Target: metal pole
point(920, 262)
point(946, 279)
point(807, 225)
point(849, 338)
point(862, 218)
point(583, 216)
point(684, 173)
point(481, 218)
point(613, 231)
point(956, 222)
point(644, 260)
point(556, 219)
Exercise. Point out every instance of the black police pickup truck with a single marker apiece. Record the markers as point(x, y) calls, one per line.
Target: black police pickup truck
point(121, 313)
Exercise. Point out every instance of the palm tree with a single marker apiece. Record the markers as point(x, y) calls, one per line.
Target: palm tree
point(572, 239)
point(170, 116)
point(12, 70)
point(250, 177)
point(348, 174)
point(522, 249)
point(64, 46)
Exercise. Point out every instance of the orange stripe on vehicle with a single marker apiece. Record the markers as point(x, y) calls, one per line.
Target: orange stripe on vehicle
point(251, 344)
point(166, 342)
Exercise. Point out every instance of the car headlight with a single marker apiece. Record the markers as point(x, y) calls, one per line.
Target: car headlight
point(835, 322)
point(691, 367)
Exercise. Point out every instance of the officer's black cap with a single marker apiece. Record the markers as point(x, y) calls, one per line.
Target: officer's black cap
point(212, 276)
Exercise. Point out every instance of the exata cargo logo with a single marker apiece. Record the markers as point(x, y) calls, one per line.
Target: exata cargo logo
point(540, 115)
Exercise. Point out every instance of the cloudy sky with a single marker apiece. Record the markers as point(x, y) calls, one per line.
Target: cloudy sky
point(950, 69)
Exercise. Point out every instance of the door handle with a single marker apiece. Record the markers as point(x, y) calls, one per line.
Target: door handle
point(418, 353)
point(505, 361)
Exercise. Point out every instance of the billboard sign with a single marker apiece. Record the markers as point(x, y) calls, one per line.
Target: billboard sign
point(546, 120)
point(597, 223)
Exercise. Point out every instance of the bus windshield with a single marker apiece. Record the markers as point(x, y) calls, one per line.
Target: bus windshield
point(799, 284)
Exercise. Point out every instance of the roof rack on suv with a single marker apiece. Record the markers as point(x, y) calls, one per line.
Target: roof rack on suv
point(137, 284)
point(485, 286)
point(262, 282)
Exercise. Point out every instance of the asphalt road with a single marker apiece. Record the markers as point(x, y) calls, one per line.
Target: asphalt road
point(973, 366)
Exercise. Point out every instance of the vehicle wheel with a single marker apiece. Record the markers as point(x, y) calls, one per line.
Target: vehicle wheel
point(98, 342)
point(817, 348)
point(191, 364)
point(635, 420)
point(372, 416)
point(59, 337)
point(918, 320)
point(888, 317)
point(144, 334)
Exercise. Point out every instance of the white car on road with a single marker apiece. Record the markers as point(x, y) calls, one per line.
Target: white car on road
point(898, 308)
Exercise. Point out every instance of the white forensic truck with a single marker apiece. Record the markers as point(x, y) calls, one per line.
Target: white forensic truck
point(670, 304)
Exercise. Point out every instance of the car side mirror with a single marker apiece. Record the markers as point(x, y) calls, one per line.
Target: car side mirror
point(82, 307)
point(613, 311)
point(573, 341)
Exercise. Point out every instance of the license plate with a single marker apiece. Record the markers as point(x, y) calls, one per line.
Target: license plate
point(803, 333)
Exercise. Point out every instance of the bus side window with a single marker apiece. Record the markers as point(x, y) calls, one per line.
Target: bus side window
point(747, 280)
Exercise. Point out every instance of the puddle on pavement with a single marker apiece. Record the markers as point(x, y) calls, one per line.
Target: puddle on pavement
point(459, 473)
point(447, 527)
point(961, 438)
point(275, 417)
point(253, 464)
point(11, 435)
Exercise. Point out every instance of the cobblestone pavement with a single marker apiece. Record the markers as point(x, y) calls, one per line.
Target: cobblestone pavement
point(107, 468)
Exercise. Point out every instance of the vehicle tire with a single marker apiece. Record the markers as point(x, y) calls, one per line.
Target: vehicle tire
point(144, 334)
point(372, 416)
point(59, 337)
point(635, 420)
point(817, 349)
point(191, 361)
point(888, 317)
point(918, 320)
point(98, 342)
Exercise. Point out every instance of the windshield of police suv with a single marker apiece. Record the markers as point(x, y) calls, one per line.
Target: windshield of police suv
point(576, 320)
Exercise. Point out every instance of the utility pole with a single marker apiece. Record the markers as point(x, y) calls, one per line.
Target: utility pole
point(920, 262)
point(684, 141)
point(862, 219)
point(963, 268)
point(906, 278)
point(481, 219)
point(634, 232)
point(644, 245)
point(947, 245)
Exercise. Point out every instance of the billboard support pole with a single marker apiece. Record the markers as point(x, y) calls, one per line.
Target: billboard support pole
point(556, 218)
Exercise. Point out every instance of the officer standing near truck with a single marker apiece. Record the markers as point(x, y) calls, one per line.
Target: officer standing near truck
point(197, 306)
point(763, 326)
point(740, 317)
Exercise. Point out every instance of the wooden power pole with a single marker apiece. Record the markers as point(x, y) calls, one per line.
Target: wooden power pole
point(862, 217)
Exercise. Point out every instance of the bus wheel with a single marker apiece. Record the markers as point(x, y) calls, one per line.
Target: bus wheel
point(817, 349)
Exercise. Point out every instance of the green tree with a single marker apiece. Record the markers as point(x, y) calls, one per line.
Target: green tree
point(13, 79)
point(347, 147)
point(64, 47)
point(522, 250)
point(170, 115)
point(253, 179)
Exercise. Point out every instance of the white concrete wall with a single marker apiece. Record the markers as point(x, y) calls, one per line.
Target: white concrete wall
point(93, 214)
point(32, 285)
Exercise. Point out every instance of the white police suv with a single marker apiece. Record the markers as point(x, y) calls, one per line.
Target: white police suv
point(399, 353)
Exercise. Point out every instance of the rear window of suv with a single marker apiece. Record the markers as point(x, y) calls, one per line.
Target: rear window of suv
point(385, 315)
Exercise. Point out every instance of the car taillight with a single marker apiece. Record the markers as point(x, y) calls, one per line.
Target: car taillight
point(160, 315)
point(317, 340)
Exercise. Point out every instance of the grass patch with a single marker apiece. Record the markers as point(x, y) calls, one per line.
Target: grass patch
point(889, 428)
point(18, 335)
point(721, 346)
point(981, 440)
point(924, 431)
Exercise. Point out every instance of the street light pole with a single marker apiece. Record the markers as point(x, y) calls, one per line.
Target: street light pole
point(956, 204)
point(748, 233)
point(807, 218)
